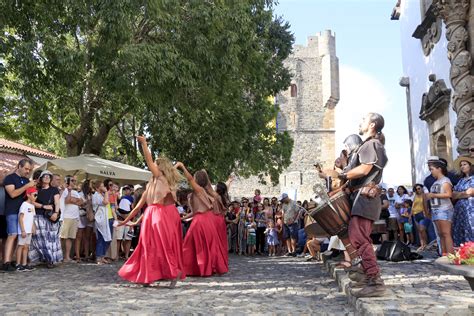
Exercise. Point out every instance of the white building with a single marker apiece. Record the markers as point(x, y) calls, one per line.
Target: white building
point(426, 78)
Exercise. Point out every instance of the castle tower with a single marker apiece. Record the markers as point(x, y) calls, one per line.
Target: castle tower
point(307, 113)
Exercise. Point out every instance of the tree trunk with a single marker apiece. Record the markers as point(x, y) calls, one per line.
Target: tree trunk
point(75, 141)
point(96, 142)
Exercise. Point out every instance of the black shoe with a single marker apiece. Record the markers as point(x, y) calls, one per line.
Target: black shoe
point(293, 254)
point(20, 268)
point(50, 266)
point(288, 254)
point(29, 268)
point(7, 267)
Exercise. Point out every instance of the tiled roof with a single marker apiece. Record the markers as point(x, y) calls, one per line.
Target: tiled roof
point(8, 163)
point(20, 148)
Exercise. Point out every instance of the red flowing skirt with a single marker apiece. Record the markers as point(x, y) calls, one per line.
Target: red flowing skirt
point(159, 253)
point(203, 250)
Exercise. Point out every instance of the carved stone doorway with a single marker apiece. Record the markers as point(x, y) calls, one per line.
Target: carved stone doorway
point(435, 111)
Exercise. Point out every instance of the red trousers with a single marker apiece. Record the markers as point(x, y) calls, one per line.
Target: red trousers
point(359, 234)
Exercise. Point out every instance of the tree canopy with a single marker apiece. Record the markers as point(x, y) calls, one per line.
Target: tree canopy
point(196, 76)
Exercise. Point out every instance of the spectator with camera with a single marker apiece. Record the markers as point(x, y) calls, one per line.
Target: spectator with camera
point(71, 201)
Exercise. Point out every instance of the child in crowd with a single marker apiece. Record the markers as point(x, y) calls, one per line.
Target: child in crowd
point(251, 234)
point(272, 238)
point(256, 200)
point(26, 228)
point(405, 216)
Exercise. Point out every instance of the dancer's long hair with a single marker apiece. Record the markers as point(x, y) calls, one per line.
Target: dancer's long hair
point(221, 189)
point(201, 178)
point(171, 174)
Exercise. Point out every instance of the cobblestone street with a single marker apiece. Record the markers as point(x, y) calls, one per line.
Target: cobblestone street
point(276, 285)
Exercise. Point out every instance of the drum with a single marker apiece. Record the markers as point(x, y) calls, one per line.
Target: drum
point(379, 227)
point(313, 229)
point(334, 219)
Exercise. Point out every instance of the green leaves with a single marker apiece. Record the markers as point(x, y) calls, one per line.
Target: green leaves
point(195, 75)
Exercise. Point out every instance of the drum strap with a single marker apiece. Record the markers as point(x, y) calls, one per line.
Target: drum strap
point(357, 197)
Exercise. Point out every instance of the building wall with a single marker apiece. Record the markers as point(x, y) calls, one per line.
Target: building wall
point(417, 67)
point(308, 116)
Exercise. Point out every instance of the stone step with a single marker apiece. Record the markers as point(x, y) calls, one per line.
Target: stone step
point(438, 294)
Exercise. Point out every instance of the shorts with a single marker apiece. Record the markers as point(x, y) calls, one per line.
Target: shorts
point(69, 228)
point(82, 222)
point(12, 224)
point(24, 241)
point(418, 217)
point(442, 215)
point(291, 231)
point(403, 220)
point(392, 224)
point(251, 240)
point(122, 233)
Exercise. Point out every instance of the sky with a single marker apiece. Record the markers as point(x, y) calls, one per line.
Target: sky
point(368, 45)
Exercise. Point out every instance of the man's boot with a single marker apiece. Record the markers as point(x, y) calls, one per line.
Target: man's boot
point(356, 273)
point(375, 288)
point(360, 284)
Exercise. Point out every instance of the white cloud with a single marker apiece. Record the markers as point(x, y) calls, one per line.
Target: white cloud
point(362, 93)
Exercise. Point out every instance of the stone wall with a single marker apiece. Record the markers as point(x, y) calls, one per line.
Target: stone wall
point(308, 116)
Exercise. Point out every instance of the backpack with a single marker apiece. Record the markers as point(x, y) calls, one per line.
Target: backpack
point(394, 251)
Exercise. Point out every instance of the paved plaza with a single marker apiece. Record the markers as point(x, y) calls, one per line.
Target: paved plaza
point(254, 285)
point(263, 285)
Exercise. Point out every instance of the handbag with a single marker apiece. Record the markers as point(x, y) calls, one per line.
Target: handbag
point(49, 213)
point(90, 212)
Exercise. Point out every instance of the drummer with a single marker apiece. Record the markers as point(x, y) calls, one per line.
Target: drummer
point(370, 160)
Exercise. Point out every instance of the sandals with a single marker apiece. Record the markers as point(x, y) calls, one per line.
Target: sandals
point(421, 248)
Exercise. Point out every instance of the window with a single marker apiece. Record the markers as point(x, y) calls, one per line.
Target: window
point(294, 90)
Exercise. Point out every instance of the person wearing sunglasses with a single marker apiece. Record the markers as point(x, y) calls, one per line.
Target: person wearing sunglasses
point(26, 228)
point(45, 244)
point(420, 213)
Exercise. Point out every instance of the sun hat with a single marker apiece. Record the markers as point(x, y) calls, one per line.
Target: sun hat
point(46, 172)
point(457, 162)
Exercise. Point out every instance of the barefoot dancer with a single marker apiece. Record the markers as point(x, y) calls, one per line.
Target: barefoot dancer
point(159, 252)
point(203, 250)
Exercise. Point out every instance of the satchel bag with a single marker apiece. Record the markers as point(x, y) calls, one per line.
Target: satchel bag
point(49, 213)
point(89, 211)
point(370, 190)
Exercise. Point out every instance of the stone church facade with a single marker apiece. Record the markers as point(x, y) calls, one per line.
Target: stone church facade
point(307, 113)
point(437, 47)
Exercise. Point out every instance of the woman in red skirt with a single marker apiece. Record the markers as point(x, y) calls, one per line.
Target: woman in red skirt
point(159, 254)
point(205, 245)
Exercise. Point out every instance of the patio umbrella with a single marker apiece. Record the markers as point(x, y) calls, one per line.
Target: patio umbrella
point(89, 166)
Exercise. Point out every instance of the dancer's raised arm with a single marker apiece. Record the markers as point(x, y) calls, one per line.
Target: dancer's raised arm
point(149, 160)
point(196, 187)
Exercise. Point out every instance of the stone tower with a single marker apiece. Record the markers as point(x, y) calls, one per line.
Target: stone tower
point(307, 113)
